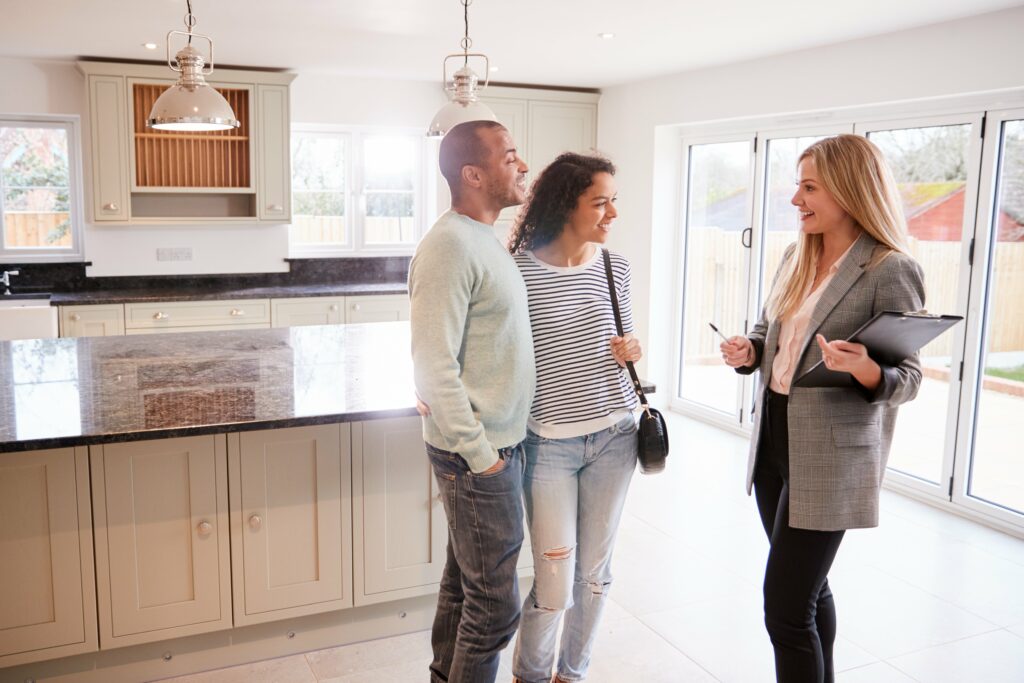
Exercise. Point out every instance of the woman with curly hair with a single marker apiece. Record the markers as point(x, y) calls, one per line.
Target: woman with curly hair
point(581, 438)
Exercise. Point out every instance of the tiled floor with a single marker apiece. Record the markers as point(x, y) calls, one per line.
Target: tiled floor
point(925, 597)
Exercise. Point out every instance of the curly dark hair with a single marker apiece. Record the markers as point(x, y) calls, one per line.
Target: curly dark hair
point(553, 198)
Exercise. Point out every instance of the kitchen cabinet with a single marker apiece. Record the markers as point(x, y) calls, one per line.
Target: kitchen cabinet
point(161, 531)
point(141, 175)
point(92, 321)
point(191, 316)
point(383, 308)
point(401, 532)
point(313, 310)
point(47, 589)
point(291, 521)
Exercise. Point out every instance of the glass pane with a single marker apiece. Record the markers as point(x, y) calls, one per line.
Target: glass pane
point(781, 226)
point(389, 218)
point(318, 162)
point(997, 468)
point(388, 162)
point(36, 190)
point(930, 167)
point(718, 212)
point(318, 218)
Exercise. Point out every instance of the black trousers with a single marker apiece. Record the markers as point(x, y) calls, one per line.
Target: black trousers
point(799, 610)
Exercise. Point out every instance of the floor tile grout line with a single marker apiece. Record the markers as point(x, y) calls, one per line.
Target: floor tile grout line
point(884, 662)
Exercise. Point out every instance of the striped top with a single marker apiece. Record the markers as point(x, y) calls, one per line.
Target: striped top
point(580, 387)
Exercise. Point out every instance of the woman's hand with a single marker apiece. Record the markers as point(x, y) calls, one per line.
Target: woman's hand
point(626, 348)
point(737, 352)
point(843, 356)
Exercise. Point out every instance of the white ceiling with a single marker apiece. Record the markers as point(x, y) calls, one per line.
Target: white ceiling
point(551, 42)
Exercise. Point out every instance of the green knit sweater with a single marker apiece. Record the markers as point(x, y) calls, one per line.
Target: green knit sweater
point(471, 345)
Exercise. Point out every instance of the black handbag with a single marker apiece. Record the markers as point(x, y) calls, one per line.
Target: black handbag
point(652, 433)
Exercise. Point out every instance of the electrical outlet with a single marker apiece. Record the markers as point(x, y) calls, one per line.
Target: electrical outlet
point(183, 254)
point(165, 254)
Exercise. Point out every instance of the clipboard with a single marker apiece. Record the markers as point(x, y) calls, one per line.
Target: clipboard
point(890, 337)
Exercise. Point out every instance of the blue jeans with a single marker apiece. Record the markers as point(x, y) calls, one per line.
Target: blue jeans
point(575, 490)
point(478, 605)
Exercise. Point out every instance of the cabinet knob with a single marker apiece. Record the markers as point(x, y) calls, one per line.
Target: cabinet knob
point(334, 307)
point(110, 206)
point(160, 315)
point(275, 207)
point(237, 312)
point(75, 317)
point(204, 528)
point(357, 307)
point(255, 522)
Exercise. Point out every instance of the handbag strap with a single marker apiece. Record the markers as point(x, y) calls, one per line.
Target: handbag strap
point(618, 326)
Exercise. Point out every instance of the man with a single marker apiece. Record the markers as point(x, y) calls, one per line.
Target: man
point(474, 368)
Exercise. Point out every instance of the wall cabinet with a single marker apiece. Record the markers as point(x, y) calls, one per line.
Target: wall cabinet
point(291, 521)
point(47, 596)
point(161, 529)
point(141, 175)
point(92, 321)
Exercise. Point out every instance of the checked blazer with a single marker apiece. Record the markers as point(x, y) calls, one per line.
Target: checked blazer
point(839, 437)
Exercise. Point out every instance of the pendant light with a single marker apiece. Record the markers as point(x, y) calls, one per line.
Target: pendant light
point(462, 89)
point(191, 104)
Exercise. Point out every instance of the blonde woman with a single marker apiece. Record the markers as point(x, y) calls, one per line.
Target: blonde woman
point(818, 454)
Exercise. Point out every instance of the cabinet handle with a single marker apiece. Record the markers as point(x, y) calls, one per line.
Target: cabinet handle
point(356, 307)
point(255, 522)
point(237, 312)
point(75, 317)
point(110, 206)
point(334, 307)
point(160, 315)
point(204, 528)
point(275, 207)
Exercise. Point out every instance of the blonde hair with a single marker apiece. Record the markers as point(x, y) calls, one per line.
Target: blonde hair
point(853, 170)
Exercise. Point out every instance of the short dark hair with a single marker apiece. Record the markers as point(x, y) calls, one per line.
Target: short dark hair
point(461, 147)
point(553, 197)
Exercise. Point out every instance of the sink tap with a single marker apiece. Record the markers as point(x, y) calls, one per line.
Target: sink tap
point(5, 280)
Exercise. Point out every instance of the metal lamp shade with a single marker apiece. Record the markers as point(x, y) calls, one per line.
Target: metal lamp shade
point(195, 108)
point(456, 112)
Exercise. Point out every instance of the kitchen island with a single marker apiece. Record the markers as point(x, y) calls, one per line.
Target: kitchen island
point(176, 503)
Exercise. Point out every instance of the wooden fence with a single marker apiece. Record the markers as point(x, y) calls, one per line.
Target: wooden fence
point(717, 289)
point(33, 229)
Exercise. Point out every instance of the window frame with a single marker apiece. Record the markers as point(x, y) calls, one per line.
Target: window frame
point(356, 192)
point(72, 126)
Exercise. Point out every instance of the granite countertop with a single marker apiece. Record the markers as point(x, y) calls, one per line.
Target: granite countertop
point(87, 390)
point(140, 295)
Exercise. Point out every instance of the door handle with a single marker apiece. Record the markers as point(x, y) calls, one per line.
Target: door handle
point(746, 237)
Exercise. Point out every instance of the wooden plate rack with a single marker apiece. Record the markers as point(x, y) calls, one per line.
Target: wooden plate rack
point(215, 159)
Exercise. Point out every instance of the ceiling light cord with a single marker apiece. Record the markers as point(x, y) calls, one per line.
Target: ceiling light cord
point(466, 42)
point(190, 20)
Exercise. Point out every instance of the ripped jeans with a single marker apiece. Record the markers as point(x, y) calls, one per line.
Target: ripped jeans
point(574, 491)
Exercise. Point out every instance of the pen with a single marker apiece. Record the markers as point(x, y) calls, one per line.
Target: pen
point(712, 326)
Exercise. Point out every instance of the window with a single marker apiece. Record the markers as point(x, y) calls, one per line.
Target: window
point(40, 206)
point(356, 192)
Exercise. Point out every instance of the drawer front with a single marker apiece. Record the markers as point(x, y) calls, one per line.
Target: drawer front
point(173, 314)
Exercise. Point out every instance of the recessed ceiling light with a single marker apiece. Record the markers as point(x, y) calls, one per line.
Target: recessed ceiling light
point(149, 46)
point(606, 36)
point(493, 69)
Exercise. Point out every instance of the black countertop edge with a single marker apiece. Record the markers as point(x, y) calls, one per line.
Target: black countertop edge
point(201, 430)
point(282, 292)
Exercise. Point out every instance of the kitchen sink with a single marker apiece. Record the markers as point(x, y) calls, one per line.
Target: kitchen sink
point(27, 318)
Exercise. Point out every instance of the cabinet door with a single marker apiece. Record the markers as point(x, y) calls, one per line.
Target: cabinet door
point(47, 589)
point(274, 193)
point(108, 121)
point(400, 528)
point(291, 521)
point(377, 309)
point(92, 321)
point(557, 127)
point(161, 539)
point(326, 310)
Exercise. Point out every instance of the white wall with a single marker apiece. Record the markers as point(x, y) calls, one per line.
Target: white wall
point(636, 128)
point(57, 87)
